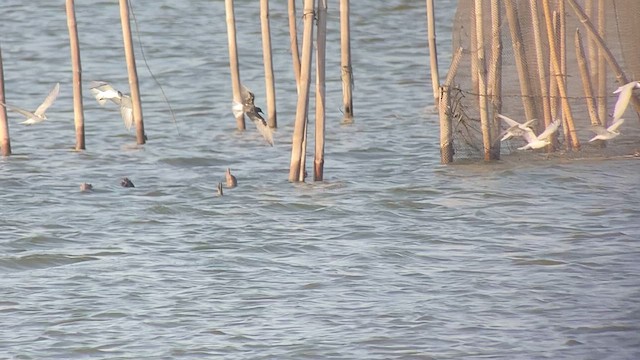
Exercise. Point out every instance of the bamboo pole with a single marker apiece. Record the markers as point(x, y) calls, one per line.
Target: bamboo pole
point(495, 76)
point(233, 60)
point(5, 139)
point(540, 60)
point(621, 77)
point(482, 93)
point(131, 69)
point(77, 75)
point(475, 87)
point(554, 98)
point(302, 107)
point(318, 164)
point(593, 50)
point(602, 67)
point(433, 53)
point(444, 109)
point(520, 58)
point(560, 50)
point(345, 60)
point(293, 36)
point(557, 67)
point(586, 78)
point(268, 64)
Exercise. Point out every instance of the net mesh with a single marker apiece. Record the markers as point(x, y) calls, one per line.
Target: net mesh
point(518, 84)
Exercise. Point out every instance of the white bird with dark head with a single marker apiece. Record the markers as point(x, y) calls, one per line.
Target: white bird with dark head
point(38, 115)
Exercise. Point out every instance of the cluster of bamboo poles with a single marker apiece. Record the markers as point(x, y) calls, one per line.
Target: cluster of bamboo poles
point(78, 110)
point(302, 65)
point(552, 90)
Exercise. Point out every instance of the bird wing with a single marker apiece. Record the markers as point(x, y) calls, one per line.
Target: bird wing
point(599, 130)
point(53, 94)
point(613, 127)
point(247, 96)
point(237, 108)
point(509, 121)
point(22, 111)
point(529, 136)
point(126, 111)
point(624, 95)
point(103, 91)
point(261, 125)
point(553, 127)
point(528, 123)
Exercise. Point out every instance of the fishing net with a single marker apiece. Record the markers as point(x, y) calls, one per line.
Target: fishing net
point(515, 65)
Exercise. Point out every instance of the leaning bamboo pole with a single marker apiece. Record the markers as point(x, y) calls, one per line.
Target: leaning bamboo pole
point(5, 140)
point(554, 98)
point(602, 67)
point(78, 113)
point(557, 70)
point(495, 76)
point(321, 40)
point(233, 60)
point(520, 58)
point(482, 84)
point(302, 107)
point(293, 36)
point(557, 22)
point(433, 52)
point(444, 109)
point(540, 60)
point(621, 77)
point(586, 79)
point(345, 62)
point(268, 64)
point(131, 69)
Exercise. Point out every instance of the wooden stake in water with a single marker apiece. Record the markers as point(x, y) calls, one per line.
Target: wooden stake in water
point(444, 107)
point(586, 79)
point(233, 61)
point(482, 80)
point(133, 73)
point(303, 96)
point(433, 53)
point(345, 60)
point(5, 140)
point(77, 75)
point(602, 67)
point(293, 36)
point(495, 77)
point(542, 68)
point(268, 64)
point(318, 164)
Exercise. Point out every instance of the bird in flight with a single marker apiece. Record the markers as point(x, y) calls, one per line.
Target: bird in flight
point(104, 92)
point(609, 133)
point(253, 112)
point(38, 115)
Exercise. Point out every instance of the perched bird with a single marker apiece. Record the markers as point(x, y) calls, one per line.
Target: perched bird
point(542, 140)
point(39, 114)
point(253, 112)
point(231, 180)
point(219, 187)
point(624, 96)
point(125, 182)
point(515, 128)
point(609, 133)
point(103, 92)
point(85, 187)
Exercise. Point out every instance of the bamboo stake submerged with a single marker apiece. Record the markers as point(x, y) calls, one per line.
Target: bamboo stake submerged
point(540, 60)
point(293, 36)
point(131, 69)
point(586, 79)
point(495, 77)
point(433, 53)
point(303, 95)
point(318, 164)
point(77, 75)
point(233, 60)
point(268, 64)
point(482, 84)
point(444, 109)
point(5, 140)
point(345, 60)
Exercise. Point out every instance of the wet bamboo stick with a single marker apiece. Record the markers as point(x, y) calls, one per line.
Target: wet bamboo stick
point(474, 48)
point(293, 36)
point(495, 76)
point(557, 70)
point(593, 49)
point(602, 67)
point(318, 164)
point(520, 58)
point(345, 62)
point(233, 60)
point(482, 76)
point(433, 53)
point(557, 22)
point(5, 139)
point(78, 113)
point(444, 109)
point(621, 77)
point(554, 98)
point(540, 60)
point(586, 79)
point(131, 69)
point(302, 107)
point(268, 64)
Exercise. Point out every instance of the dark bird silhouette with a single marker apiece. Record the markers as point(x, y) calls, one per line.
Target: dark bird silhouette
point(248, 108)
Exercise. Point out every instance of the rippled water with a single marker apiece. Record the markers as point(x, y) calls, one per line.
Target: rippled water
point(392, 257)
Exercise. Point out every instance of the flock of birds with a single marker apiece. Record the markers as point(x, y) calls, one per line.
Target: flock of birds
point(534, 141)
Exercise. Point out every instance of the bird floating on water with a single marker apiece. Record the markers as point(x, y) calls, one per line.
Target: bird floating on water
point(253, 112)
point(609, 133)
point(219, 188)
point(103, 92)
point(231, 180)
point(624, 96)
point(515, 128)
point(125, 182)
point(38, 115)
point(539, 141)
point(86, 187)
